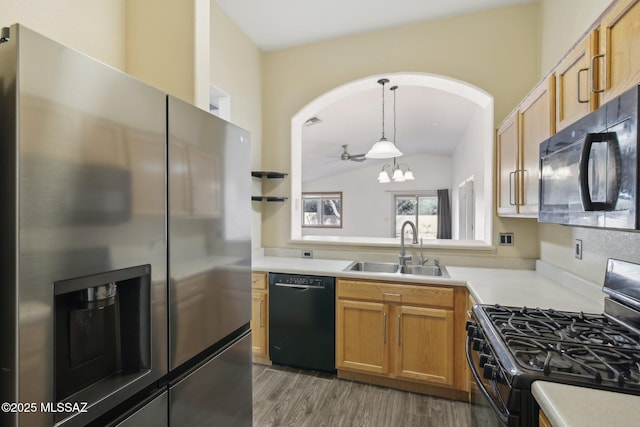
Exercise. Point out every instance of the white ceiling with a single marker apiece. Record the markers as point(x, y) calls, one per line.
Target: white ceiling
point(278, 24)
point(425, 123)
point(428, 120)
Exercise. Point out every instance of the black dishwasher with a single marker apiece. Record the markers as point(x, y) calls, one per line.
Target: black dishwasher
point(302, 321)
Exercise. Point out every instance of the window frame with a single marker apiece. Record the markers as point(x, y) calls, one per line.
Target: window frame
point(416, 195)
point(331, 195)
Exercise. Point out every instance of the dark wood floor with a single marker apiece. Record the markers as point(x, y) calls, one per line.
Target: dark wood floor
point(291, 397)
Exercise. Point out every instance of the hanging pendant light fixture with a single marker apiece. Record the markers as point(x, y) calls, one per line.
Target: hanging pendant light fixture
point(397, 174)
point(383, 149)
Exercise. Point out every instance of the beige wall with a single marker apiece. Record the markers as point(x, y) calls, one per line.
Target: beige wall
point(160, 46)
point(95, 28)
point(556, 241)
point(236, 68)
point(562, 24)
point(472, 48)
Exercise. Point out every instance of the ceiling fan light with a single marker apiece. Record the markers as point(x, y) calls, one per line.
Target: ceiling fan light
point(383, 149)
point(408, 175)
point(383, 177)
point(398, 176)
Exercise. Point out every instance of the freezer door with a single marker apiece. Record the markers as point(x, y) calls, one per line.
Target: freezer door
point(209, 230)
point(218, 393)
point(153, 414)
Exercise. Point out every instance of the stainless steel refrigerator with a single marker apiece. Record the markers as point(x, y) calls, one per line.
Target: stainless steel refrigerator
point(126, 247)
point(209, 268)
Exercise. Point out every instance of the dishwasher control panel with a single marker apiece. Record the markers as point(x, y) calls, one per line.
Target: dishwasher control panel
point(299, 280)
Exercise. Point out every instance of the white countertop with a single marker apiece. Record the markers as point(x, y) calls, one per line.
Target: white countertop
point(569, 406)
point(527, 288)
point(546, 287)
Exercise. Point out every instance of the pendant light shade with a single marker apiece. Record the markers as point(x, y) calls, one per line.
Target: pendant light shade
point(408, 175)
point(398, 176)
point(383, 149)
point(383, 177)
point(395, 172)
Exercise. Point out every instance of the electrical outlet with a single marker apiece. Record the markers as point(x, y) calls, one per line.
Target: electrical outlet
point(506, 239)
point(307, 254)
point(578, 249)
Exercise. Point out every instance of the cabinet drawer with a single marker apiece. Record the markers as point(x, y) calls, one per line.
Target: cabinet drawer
point(259, 280)
point(407, 294)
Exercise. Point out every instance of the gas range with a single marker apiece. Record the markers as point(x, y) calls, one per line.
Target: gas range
point(508, 348)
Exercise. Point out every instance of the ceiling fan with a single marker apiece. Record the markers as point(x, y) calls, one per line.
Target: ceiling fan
point(353, 157)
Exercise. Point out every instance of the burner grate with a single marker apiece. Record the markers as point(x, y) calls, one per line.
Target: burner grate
point(569, 347)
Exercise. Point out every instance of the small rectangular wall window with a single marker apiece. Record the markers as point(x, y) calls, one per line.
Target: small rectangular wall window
point(421, 209)
point(323, 210)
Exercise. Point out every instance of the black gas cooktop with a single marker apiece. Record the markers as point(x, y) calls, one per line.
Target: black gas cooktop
point(570, 347)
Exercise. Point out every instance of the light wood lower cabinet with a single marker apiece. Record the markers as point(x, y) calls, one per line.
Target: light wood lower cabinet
point(543, 421)
point(400, 332)
point(362, 336)
point(424, 344)
point(259, 317)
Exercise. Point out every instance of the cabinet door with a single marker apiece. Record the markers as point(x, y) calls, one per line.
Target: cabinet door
point(362, 332)
point(574, 98)
point(543, 421)
point(259, 319)
point(536, 124)
point(424, 344)
point(620, 45)
point(507, 157)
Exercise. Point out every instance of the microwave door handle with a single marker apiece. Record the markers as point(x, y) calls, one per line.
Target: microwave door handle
point(613, 149)
point(583, 174)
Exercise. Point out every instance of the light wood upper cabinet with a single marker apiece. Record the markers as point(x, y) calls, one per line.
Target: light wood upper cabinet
point(507, 165)
point(517, 150)
point(536, 123)
point(574, 76)
point(619, 49)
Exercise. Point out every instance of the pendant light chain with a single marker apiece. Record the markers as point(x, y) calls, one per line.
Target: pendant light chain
point(382, 82)
point(383, 149)
point(394, 113)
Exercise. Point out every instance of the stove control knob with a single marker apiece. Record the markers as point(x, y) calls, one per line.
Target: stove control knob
point(489, 371)
point(472, 329)
point(478, 344)
point(486, 358)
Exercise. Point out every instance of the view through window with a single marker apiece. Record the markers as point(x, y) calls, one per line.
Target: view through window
point(421, 209)
point(322, 210)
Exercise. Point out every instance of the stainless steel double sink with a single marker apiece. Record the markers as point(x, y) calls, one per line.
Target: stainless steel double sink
point(393, 268)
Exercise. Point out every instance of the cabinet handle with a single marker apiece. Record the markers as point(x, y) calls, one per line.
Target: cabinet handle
point(384, 328)
point(389, 294)
point(593, 74)
point(521, 202)
point(261, 321)
point(582, 101)
point(399, 328)
point(511, 192)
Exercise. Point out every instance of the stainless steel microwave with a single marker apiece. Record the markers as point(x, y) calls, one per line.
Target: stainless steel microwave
point(589, 170)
